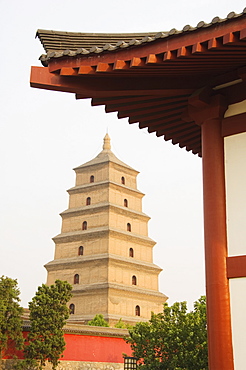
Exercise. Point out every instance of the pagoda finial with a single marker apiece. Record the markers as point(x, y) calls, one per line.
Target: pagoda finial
point(106, 144)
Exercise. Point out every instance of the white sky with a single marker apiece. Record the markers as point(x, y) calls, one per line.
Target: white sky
point(45, 134)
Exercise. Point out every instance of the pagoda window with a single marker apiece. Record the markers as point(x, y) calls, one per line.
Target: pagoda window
point(134, 280)
point(125, 203)
point(72, 309)
point(137, 311)
point(88, 201)
point(92, 178)
point(81, 251)
point(123, 180)
point(128, 227)
point(131, 252)
point(84, 225)
point(76, 279)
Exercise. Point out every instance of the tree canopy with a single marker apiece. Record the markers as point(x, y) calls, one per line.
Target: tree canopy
point(10, 316)
point(48, 314)
point(172, 340)
point(121, 324)
point(98, 320)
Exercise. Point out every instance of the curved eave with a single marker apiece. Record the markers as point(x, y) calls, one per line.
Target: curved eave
point(105, 184)
point(59, 43)
point(101, 232)
point(104, 207)
point(153, 83)
point(79, 260)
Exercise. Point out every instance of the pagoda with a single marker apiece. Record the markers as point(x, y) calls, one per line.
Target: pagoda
point(103, 249)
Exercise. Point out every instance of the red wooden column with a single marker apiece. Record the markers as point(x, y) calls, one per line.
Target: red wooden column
point(209, 116)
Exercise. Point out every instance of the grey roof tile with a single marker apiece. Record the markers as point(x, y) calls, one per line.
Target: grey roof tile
point(59, 43)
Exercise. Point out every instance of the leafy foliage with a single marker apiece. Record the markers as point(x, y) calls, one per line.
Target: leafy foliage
point(48, 314)
point(172, 340)
point(98, 320)
point(10, 316)
point(121, 324)
point(27, 364)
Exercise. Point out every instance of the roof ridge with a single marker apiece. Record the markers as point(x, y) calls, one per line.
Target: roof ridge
point(81, 43)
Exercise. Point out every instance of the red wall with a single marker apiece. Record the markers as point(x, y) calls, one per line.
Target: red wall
point(95, 348)
point(89, 348)
point(12, 351)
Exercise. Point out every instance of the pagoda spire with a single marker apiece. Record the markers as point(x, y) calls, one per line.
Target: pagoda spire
point(106, 142)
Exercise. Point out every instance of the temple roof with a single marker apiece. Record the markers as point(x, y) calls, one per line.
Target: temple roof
point(59, 43)
point(56, 43)
point(153, 79)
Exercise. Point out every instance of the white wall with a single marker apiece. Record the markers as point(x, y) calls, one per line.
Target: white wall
point(235, 165)
point(235, 173)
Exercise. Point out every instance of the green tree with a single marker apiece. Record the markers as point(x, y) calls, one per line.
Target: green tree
point(172, 340)
point(120, 324)
point(98, 320)
point(10, 317)
point(48, 314)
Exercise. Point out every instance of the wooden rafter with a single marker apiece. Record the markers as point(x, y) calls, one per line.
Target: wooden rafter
point(151, 83)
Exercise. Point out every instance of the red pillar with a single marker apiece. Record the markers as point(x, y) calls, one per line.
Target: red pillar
point(217, 286)
point(209, 115)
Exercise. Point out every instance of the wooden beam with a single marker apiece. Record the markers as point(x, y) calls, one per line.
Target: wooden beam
point(98, 87)
point(229, 38)
point(145, 102)
point(154, 124)
point(233, 125)
point(150, 109)
point(169, 123)
point(68, 71)
point(243, 34)
point(84, 70)
point(183, 52)
point(214, 43)
point(198, 47)
point(195, 143)
point(42, 79)
point(120, 64)
point(158, 114)
point(154, 59)
point(104, 67)
point(122, 99)
point(185, 127)
point(235, 93)
point(172, 127)
point(137, 62)
point(169, 55)
point(185, 135)
point(236, 267)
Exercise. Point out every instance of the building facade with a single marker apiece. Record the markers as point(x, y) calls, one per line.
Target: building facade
point(103, 249)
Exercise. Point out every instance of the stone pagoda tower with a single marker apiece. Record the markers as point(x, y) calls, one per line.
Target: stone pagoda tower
point(104, 250)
